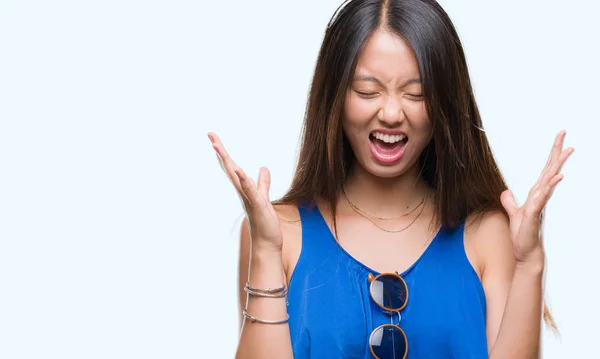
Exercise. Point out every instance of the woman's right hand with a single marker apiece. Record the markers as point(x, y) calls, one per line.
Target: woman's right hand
point(264, 224)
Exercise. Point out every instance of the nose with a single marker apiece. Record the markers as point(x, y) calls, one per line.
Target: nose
point(391, 111)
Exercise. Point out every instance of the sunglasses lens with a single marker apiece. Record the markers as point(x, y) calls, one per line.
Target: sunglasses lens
point(390, 292)
point(388, 342)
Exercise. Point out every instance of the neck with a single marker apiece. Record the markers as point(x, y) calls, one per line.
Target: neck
point(385, 196)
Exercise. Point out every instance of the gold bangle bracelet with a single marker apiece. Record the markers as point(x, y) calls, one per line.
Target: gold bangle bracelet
point(256, 320)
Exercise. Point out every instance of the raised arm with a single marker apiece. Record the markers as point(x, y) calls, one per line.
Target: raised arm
point(265, 332)
point(519, 329)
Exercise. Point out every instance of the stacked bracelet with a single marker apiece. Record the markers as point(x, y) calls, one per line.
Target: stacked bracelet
point(268, 293)
point(280, 292)
point(256, 320)
point(268, 290)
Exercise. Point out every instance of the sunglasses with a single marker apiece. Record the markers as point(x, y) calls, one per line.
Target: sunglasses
point(389, 291)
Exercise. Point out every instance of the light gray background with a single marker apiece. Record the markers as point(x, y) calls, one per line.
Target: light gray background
point(118, 230)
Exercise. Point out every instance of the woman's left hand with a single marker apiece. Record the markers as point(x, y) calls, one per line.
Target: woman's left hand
point(526, 221)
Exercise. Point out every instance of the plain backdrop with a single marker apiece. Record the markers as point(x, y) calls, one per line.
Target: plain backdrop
point(118, 229)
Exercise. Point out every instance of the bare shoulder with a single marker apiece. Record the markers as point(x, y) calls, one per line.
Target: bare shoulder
point(488, 237)
point(487, 224)
point(288, 213)
point(289, 222)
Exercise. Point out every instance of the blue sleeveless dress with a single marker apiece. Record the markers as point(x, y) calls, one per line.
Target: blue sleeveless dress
point(332, 314)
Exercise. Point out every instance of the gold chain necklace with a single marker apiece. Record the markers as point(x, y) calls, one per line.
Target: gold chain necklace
point(391, 230)
point(356, 208)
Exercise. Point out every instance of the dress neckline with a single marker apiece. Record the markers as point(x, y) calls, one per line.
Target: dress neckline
point(352, 258)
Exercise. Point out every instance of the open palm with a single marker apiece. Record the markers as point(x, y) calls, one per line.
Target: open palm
point(264, 224)
point(526, 221)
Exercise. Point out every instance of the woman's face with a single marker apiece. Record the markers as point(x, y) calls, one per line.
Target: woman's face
point(385, 119)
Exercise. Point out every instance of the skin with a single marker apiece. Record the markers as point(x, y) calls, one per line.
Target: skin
point(506, 252)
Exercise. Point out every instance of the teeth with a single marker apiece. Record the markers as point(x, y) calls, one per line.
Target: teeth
point(388, 138)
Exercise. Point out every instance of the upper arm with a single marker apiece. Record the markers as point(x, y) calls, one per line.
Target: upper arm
point(494, 245)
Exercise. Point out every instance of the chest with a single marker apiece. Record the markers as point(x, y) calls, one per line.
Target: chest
point(444, 318)
point(385, 251)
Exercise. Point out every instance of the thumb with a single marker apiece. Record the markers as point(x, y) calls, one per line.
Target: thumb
point(264, 182)
point(508, 201)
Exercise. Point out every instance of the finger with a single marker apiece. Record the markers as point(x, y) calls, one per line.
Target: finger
point(563, 157)
point(218, 146)
point(227, 164)
point(554, 154)
point(211, 137)
point(549, 189)
point(559, 142)
point(239, 174)
point(508, 201)
point(540, 198)
point(553, 186)
point(558, 145)
point(220, 161)
point(553, 182)
point(542, 190)
point(557, 166)
point(557, 158)
point(255, 199)
point(264, 182)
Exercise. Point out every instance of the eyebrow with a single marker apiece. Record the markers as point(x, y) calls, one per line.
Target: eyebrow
point(374, 79)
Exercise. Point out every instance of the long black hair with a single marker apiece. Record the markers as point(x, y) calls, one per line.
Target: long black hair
point(457, 163)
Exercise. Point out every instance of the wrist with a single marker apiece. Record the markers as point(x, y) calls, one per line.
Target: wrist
point(266, 268)
point(266, 247)
point(533, 263)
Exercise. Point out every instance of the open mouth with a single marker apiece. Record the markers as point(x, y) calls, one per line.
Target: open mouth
point(388, 148)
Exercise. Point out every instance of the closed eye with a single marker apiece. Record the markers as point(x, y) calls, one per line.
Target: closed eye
point(415, 96)
point(367, 94)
